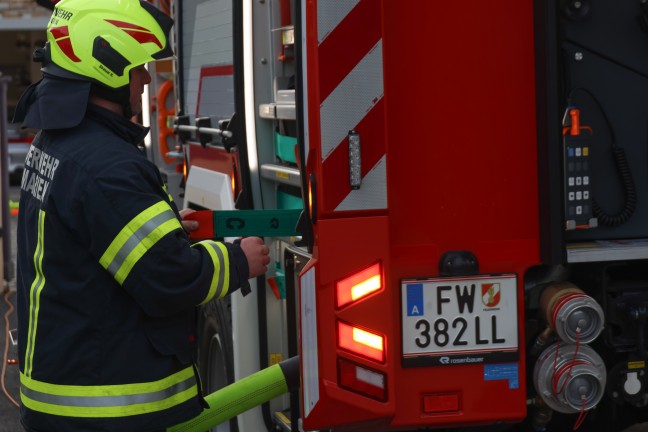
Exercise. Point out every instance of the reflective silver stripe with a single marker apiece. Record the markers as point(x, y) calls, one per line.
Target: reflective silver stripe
point(351, 101)
point(34, 294)
point(221, 274)
point(109, 401)
point(372, 194)
point(220, 281)
point(330, 14)
point(135, 239)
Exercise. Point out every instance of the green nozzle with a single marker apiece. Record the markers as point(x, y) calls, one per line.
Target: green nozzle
point(242, 395)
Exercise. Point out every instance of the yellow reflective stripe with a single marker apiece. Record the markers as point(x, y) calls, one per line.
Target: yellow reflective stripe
point(109, 400)
point(167, 192)
point(137, 237)
point(107, 412)
point(34, 295)
point(220, 278)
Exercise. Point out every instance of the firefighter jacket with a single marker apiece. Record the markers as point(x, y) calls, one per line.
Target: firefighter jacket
point(108, 284)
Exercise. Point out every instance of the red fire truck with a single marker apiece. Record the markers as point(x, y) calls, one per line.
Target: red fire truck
point(472, 241)
point(455, 195)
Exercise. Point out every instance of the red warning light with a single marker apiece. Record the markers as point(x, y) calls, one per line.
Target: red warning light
point(361, 342)
point(359, 285)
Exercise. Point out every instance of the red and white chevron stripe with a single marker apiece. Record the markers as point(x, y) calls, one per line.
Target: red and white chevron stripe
point(349, 77)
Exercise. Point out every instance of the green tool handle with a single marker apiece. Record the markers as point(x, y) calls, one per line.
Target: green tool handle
point(236, 398)
point(261, 223)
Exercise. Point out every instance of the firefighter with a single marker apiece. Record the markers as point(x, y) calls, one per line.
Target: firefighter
point(108, 281)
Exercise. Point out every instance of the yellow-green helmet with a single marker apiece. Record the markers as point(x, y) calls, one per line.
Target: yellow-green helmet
point(102, 40)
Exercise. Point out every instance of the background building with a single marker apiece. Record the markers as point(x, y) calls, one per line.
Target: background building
point(22, 28)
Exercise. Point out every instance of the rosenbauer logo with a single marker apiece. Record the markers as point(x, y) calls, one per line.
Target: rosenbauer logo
point(491, 294)
point(462, 360)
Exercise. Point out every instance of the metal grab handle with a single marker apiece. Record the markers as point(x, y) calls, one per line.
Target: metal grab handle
point(204, 130)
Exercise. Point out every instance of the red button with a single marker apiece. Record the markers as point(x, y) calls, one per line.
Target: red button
point(440, 403)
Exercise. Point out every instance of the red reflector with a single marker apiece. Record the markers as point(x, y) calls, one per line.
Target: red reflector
point(440, 403)
point(361, 342)
point(359, 285)
point(362, 380)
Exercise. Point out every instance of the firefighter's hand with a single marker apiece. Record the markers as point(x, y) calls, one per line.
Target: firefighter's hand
point(188, 225)
point(256, 253)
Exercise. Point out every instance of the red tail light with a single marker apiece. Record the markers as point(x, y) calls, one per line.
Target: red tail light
point(362, 380)
point(361, 342)
point(359, 286)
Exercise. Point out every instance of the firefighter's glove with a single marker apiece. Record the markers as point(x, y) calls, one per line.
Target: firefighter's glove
point(257, 259)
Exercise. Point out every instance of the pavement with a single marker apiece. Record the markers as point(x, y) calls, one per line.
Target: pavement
point(9, 413)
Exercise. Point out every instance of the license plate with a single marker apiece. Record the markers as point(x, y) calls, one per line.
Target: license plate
point(453, 321)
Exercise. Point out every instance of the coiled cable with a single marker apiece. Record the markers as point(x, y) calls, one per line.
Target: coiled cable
point(623, 171)
point(630, 193)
